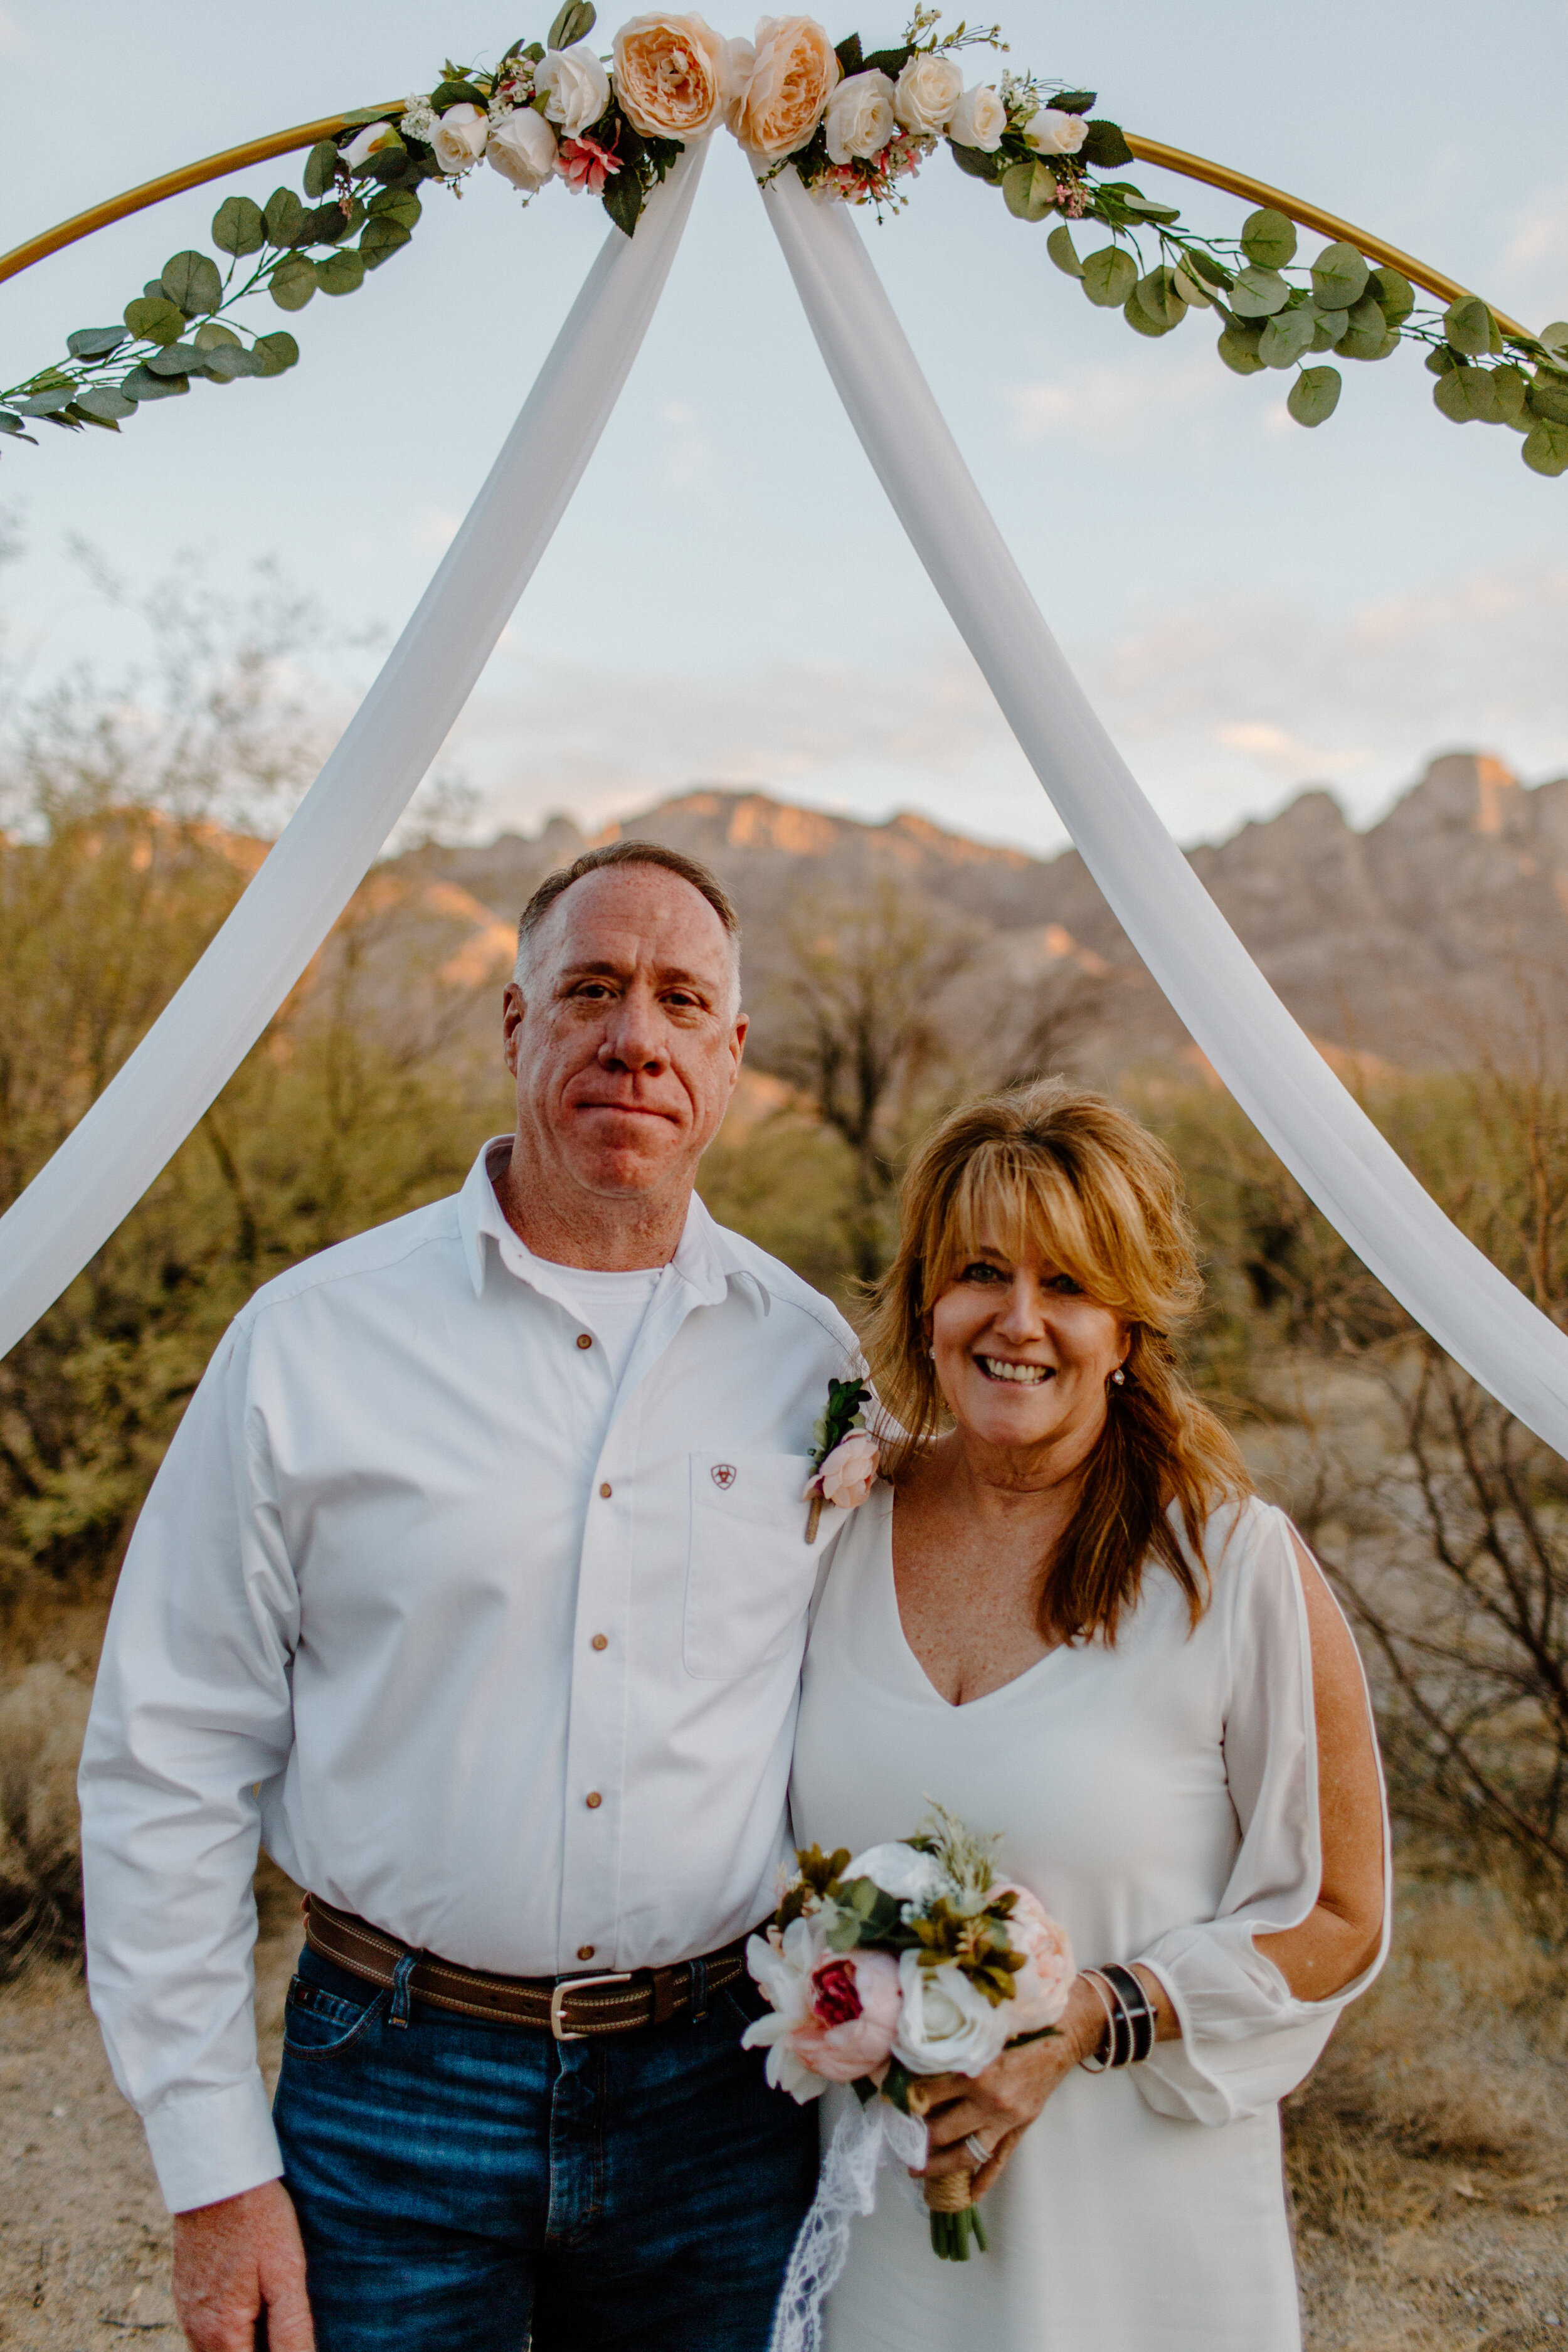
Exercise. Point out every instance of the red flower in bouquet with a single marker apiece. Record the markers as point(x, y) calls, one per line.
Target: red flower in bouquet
point(583, 165)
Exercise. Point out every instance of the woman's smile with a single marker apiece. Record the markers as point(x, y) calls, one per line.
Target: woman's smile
point(1005, 1368)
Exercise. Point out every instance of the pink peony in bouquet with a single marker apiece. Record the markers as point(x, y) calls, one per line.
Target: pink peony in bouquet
point(909, 1960)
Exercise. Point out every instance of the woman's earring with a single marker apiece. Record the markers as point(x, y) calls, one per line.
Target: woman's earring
point(1117, 1378)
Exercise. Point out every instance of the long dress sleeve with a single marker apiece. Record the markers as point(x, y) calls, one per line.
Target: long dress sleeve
point(192, 1712)
point(1246, 2040)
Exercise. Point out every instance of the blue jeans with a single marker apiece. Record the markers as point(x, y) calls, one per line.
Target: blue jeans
point(464, 2186)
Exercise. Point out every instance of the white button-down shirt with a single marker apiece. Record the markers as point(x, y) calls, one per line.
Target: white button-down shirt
point(497, 1658)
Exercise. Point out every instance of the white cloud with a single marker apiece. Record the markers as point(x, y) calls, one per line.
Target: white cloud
point(1100, 407)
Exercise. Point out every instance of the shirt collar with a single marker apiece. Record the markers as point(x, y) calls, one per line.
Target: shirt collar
point(705, 1259)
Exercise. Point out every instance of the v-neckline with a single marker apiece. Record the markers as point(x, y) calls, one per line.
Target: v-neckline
point(929, 1689)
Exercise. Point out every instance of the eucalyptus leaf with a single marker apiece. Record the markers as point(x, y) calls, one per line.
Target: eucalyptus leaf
point(575, 23)
point(400, 205)
point(1191, 287)
point(1260, 293)
point(1548, 400)
point(1555, 336)
point(1511, 387)
point(43, 404)
point(1138, 320)
point(1328, 326)
point(1029, 191)
point(1470, 327)
point(1155, 294)
point(153, 319)
point(1268, 238)
point(1368, 335)
point(1205, 266)
point(320, 167)
point(191, 281)
point(1339, 278)
point(9, 422)
point(1314, 396)
point(383, 238)
point(212, 335)
point(104, 405)
point(94, 342)
point(1146, 208)
point(327, 224)
point(1237, 347)
point(341, 273)
point(271, 355)
point(1442, 360)
point(227, 363)
point(293, 282)
point(1452, 398)
point(1063, 252)
point(1546, 449)
point(141, 385)
point(976, 161)
point(1286, 337)
point(283, 214)
point(239, 226)
point(1394, 293)
point(180, 359)
point(1108, 276)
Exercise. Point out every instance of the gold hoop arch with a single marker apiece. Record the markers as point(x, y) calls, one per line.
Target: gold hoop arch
point(306, 134)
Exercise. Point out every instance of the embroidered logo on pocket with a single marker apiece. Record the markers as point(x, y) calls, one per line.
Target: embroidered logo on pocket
point(723, 1474)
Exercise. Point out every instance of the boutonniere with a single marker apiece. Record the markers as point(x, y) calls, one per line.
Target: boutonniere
point(843, 1456)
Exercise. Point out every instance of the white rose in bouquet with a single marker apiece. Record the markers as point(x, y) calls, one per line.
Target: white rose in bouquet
point(948, 2026)
point(460, 138)
point(576, 87)
point(926, 93)
point(1052, 132)
point(371, 141)
point(523, 150)
point(902, 1871)
point(978, 120)
point(859, 119)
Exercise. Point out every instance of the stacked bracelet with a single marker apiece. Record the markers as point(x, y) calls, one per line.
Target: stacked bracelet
point(1128, 2018)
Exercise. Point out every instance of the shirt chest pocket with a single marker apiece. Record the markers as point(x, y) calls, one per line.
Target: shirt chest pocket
point(750, 1572)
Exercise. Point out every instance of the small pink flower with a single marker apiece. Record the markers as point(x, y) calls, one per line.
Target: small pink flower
point(848, 1473)
point(1043, 1983)
point(855, 2008)
point(583, 165)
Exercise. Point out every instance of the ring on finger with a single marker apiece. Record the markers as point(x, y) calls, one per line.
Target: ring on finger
point(978, 2149)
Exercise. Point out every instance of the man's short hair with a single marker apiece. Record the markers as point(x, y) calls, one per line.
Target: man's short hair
point(629, 853)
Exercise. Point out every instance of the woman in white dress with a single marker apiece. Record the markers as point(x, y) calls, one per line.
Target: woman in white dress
point(1066, 1617)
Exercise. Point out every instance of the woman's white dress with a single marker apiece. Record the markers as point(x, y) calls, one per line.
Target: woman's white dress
point(1161, 1798)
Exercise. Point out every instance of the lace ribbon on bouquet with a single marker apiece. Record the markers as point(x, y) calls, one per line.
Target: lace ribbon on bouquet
point(847, 2185)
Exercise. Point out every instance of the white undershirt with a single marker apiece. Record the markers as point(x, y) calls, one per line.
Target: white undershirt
point(610, 1305)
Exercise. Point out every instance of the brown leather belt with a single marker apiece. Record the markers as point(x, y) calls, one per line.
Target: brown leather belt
point(568, 2007)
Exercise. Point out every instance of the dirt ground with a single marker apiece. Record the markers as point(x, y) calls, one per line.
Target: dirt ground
point(1421, 2229)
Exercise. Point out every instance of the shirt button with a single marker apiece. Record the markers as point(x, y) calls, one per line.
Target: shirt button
point(584, 1952)
point(595, 1801)
point(606, 1490)
point(601, 1641)
point(583, 1340)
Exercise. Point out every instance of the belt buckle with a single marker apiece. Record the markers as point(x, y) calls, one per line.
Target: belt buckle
point(563, 1990)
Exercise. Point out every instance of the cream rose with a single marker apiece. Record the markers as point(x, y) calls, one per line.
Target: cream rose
point(902, 1871)
point(460, 138)
point(948, 2026)
point(1052, 132)
point(575, 86)
point(523, 150)
point(978, 120)
point(371, 140)
point(784, 87)
point(926, 93)
point(672, 75)
point(860, 119)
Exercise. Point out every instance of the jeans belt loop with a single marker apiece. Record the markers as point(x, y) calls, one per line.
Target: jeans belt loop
point(699, 1975)
point(400, 2011)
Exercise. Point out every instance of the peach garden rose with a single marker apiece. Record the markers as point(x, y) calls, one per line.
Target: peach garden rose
point(672, 75)
point(787, 84)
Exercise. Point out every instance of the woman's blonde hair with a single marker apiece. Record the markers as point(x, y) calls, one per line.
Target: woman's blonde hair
point(1048, 1170)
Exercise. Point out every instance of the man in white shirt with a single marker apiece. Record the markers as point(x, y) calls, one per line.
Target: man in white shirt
point(474, 1584)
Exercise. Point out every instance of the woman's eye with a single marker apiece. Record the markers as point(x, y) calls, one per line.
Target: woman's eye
point(1064, 1286)
point(980, 1272)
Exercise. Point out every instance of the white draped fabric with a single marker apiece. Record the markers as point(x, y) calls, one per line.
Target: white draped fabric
point(137, 1124)
point(1271, 1065)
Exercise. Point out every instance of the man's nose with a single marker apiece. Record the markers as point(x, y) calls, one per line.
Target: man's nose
point(633, 1038)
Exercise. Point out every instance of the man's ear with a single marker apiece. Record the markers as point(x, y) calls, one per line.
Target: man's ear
point(738, 1042)
point(512, 1008)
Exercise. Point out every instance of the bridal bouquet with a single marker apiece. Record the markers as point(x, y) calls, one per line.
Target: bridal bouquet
point(911, 1959)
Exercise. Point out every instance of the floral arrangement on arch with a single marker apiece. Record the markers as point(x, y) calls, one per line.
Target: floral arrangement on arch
point(855, 125)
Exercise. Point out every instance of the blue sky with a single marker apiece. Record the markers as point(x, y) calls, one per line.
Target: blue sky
point(729, 599)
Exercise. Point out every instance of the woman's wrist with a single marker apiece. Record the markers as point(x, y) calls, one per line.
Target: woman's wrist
point(1086, 2021)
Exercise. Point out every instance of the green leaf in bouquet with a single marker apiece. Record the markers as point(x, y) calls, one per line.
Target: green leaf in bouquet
point(1191, 287)
point(275, 352)
point(239, 225)
point(575, 23)
point(212, 335)
point(326, 224)
point(153, 319)
point(976, 161)
point(1394, 293)
point(399, 204)
point(1327, 327)
point(381, 240)
point(1157, 297)
point(1511, 387)
point(141, 385)
point(283, 214)
point(1063, 252)
point(45, 403)
point(1549, 398)
point(1286, 337)
point(320, 167)
point(1074, 102)
point(105, 404)
point(180, 359)
point(1368, 336)
point(1314, 396)
point(1140, 321)
point(1203, 265)
point(94, 342)
point(341, 273)
point(1029, 191)
point(1108, 276)
point(1546, 449)
point(1237, 347)
point(191, 281)
point(293, 282)
point(1468, 396)
point(1260, 293)
point(1104, 146)
point(1555, 337)
point(1268, 238)
point(228, 363)
point(1339, 278)
point(1470, 327)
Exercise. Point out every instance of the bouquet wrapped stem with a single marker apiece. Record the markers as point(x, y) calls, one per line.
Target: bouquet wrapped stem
point(949, 2201)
